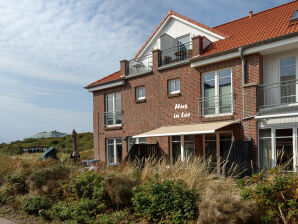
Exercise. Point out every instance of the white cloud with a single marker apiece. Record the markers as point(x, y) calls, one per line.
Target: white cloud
point(19, 119)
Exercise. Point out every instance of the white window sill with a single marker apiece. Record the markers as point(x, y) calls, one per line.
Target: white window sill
point(217, 115)
point(174, 92)
point(113, 125)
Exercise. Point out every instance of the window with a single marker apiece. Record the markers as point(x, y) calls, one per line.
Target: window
point(176, 148)
point(114, 150)
point(278, 152)
point(132, 141)
point(295, 15)
point(217, 93)
point(174, 86)
point(284, 148)
point(186, 152)
point(265, 148)
point(288, 80)
point(140, 93)
point(210, 148)
point(113, 113)
point(189, 147)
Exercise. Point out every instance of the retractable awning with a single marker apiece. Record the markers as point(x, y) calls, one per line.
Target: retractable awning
point(189, 129)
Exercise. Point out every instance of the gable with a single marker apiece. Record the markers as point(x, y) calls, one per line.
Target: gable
point(175, 25)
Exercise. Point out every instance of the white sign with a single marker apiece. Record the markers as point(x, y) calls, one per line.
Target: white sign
point(181, 114)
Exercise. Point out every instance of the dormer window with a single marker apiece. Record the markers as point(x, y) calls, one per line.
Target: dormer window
point(295, 16)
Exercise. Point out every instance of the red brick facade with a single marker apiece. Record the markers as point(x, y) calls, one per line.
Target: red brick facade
point(158, 109)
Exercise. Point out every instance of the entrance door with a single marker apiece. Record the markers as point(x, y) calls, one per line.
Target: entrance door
point(284, 148)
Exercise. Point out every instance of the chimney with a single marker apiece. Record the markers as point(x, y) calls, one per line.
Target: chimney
point(197, 45)
point(250, 14)
point(123, 68)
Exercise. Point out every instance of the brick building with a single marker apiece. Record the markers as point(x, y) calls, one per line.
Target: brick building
point(195, 90)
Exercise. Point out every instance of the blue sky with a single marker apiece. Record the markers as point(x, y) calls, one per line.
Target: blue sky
point(51, 49)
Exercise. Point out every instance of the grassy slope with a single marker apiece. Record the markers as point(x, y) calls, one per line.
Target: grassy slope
point(85, 142)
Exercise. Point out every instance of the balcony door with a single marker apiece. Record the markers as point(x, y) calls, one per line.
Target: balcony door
point(113, 114)
point(288, 83)
point(217, 93)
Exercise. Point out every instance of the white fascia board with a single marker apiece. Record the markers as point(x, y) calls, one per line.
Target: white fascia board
point(276, 116)
point(274, 44)
point(215, 59)
point(199, 28)
point(173, 134)
point(106, 86)
point(251, 50)
point(154, 36)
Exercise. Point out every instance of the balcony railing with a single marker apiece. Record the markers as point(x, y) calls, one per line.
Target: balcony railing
point(140, 65)
point(278, 94)
point(177, 53)
point(112, 118)
point(217, 105)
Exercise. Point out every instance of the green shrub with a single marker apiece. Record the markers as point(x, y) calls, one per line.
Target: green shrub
point(17, 180)
point(164, 201)
point(275, 194)
point(36, 204)
point(87, 185)
point(113, 218)
point(46, 180)
point(119, 190)
point(82, 211)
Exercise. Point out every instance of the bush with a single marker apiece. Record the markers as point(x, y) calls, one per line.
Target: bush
point(164, 201)
point(85, 198)
point(87, 185)
point(36, 204)
point(275, 194)
point(119, 190)
point(221, 204)
point(113, 218)
point(46, 180)
point(82, 211)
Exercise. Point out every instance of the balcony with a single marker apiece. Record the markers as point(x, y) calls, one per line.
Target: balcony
point(140, 65)
point(112, 119)
point(219, 105)
point(278, 95)
point(176, 54)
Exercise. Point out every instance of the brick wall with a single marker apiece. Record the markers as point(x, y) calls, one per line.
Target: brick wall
point(159, 108)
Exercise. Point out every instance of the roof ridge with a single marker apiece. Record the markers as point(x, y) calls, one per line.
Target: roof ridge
point(255, 13)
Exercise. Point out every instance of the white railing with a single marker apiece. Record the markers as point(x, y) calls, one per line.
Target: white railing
point(217, 105)
point(112, 118)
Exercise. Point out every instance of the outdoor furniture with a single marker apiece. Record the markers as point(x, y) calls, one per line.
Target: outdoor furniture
point(138, 66)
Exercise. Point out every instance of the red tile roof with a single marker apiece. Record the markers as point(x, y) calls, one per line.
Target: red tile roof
point(111, 77)
point(261, 26)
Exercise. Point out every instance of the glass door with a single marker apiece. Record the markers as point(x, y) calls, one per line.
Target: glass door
point(284, 148)
point(114, 150)
point(176, 148)
point(189, 147)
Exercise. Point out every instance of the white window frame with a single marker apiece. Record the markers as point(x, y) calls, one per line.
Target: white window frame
point(138, 88)
point(114, 105)
point(273, 145)
point(182, 147)
point(115, 149)
point(279, 77)
point(169, 86)
point(216, 80)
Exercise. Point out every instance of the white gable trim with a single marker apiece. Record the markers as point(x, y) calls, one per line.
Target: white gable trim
point(105, 86)
point(198, 27)
point(183, 21)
